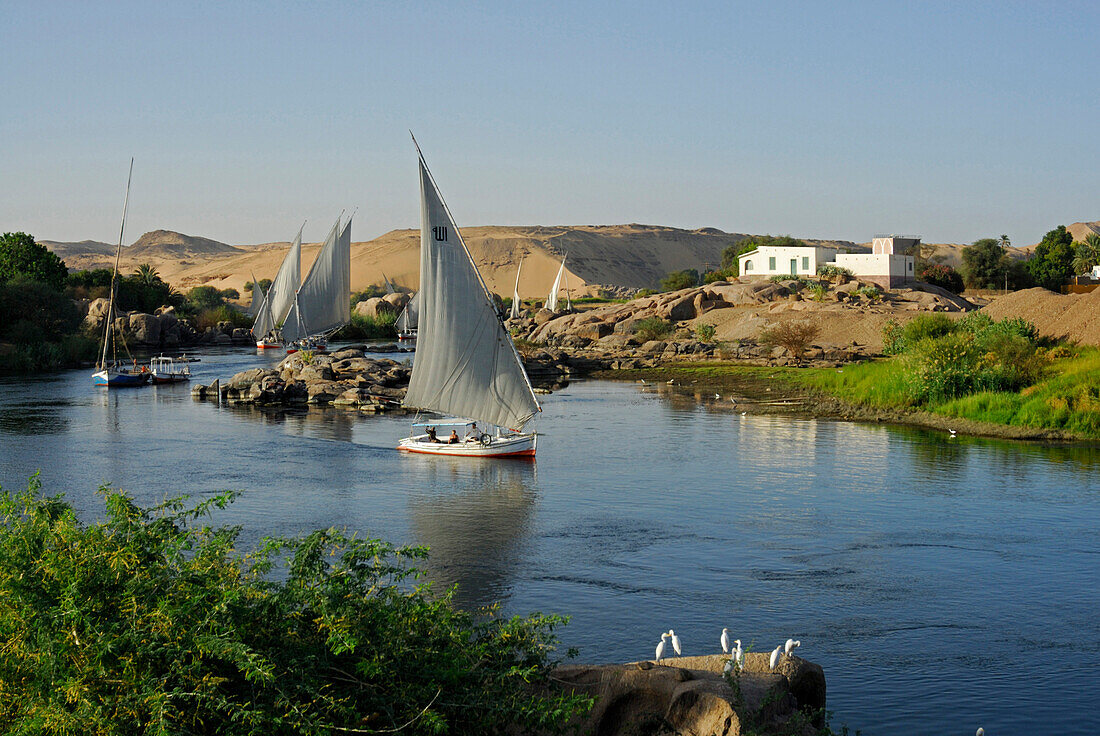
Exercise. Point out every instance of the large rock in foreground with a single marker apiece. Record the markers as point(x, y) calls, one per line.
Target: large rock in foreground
point(689, 695)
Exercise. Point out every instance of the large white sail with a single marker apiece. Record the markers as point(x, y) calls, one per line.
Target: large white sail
point(257, 304)
point(552, 300)
point(514, 313)
point(410, 315)
point(465, 362)
point(323, 303)
point(280, 295)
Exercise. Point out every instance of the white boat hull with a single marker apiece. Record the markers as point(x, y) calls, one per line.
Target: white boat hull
point(517, 445)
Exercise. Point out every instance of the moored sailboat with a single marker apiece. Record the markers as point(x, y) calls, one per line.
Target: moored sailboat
point(322, 304)
point(552, 300)
point(279, 297)
point(466, 364)
point(409, 319)
point(111, 373)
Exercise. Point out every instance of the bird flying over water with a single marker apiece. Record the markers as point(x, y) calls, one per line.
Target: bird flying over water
point(774, 660)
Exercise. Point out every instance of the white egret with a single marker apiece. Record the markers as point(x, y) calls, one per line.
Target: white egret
point(744, 413)
point(725, 640)
point(953, 433)
point(980, 732)
point(717, 396)
point(790, 645)
point(775, 657)
point(738, 655)
point(675, 642)
point(661, 647)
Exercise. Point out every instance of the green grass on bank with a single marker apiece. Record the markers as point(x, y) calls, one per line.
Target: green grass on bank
point(1066, 398)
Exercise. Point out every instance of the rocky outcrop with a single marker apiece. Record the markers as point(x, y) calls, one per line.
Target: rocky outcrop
point(378, 306)
point(345, 378)
point(690, 695)
point(163, 328)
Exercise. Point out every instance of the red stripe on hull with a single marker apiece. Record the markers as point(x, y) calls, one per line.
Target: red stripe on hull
point(521, 453)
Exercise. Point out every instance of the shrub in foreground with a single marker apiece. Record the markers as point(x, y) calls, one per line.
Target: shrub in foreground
point(652, 328)
point(152, 623)
point(362, 327)
point(796, 337)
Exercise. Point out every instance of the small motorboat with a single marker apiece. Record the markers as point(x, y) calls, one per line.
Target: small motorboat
point(169, 370)
point(467, 440)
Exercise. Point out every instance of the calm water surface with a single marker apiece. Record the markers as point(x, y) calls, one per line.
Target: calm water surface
point(942, 584)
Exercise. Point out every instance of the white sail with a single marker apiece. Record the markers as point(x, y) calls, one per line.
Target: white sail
point(257, 304)
point(410, 315)
point(323, 303)
point(389, 285)
point(514, 314)
point(465, 362)
point(552, 300)
point(280, 295)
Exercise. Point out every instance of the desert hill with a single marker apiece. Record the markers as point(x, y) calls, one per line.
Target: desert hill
point(1080, 230)
point(632, 256)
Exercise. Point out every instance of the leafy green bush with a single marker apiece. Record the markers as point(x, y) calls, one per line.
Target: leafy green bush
point(680, 280)
point(704, 332)
point(869, 291)
point(927, 326)
point(362, 327)
point(21, 257)
point(942, 276)
point(225, 313)
point(818, 292)
point(652, 328)
point(793, 282)
point(151, 622)
point(834, 272)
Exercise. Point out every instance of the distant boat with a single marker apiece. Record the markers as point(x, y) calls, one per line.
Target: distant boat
point(322, 303)
point(279, 297)
point(552, 300)
point(110, 372)
point(466, 364)
point(516, 308)
point(409, 319)
point(169, 370)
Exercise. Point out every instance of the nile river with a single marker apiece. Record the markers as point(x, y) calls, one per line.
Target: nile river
point(942, 584)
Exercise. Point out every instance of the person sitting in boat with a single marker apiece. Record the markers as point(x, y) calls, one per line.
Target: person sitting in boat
point(474, 435)
point(454, 437)
point(431, 435)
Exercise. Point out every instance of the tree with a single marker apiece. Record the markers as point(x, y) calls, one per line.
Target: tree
point(984, 264)
point(1005, 242)
point(1086, 254)
point(680, 280)
point(231, 293)
point(20, 256)
point(942, 276)
point(146, 274)
point(1052, 264)
point(205, 297)
point(265, 284)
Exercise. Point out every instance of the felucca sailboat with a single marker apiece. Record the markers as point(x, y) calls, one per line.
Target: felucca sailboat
point(466, 365)
point(279, 298)
point(322, 304)
point(111, 373)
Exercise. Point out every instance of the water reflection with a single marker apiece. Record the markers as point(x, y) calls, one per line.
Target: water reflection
point(475, 518)
point(40, 417)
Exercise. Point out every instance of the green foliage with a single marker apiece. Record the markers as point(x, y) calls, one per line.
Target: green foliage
point(21, 257)
point(869, 291)
point(225, 313)
point(152, 622)
point(818, 292)
point(795, 337)
point(942, 276)
point(791, 282)
point(368, 293)
point(146, 273)
point(205, 297)
point(1051, 265)
point(135, 294)
point(652, 328)
point(704, 332)
point(35, 312)
point(711, 276)
point(644, 292)
point(680, 280)
point(835, 273)
point(1086, 254)
point(362, 327)
point(230, 294)
point(265, 284)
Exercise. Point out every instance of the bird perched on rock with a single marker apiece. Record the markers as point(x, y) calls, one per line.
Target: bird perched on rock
point(774, 660)
point(980, 732)
point(661, 647)
point(790, 645)
point(675, 642)
point(725, 640)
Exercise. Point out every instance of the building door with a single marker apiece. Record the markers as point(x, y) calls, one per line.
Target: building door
point(794, 266)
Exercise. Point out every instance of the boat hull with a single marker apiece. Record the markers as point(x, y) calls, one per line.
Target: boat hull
point(116, 379)
point(173, 378)
point(261, 345)
point(521, 445)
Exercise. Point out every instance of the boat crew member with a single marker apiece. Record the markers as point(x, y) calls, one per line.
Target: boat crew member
point(454, 437)
point(431, 435)
point(474, 434)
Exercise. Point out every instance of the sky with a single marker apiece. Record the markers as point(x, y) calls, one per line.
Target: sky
point(952, 121)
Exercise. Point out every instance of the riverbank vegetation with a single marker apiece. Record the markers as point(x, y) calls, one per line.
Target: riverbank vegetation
point(152, 621)
point(364, 327)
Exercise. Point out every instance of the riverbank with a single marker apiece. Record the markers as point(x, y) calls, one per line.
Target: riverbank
point(869, 392)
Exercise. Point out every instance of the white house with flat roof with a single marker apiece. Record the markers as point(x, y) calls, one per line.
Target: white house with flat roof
point(890, 263)
point(785, 260)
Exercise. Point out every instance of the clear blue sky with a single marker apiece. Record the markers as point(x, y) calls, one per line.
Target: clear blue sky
point(949, 120)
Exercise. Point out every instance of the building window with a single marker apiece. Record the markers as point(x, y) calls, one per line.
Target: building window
point(910, 266)
point(748, 266)
point(805, 263)
point(771, 263)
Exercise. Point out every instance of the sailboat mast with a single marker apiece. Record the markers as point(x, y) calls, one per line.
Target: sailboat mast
point(114, 275)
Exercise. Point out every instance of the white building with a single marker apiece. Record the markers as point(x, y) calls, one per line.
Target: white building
point(889, 264)
point(785, 260)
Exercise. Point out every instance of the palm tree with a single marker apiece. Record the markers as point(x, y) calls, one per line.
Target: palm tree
point(1005, 242)
point(147, 274)
point(1086, 254)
